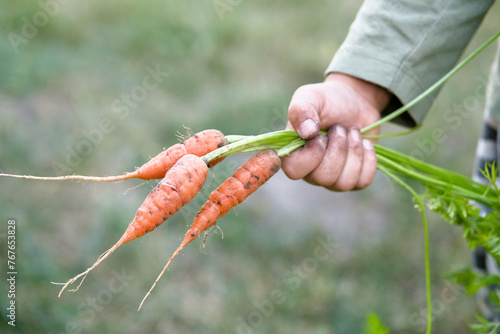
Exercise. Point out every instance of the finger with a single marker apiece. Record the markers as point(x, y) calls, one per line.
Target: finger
point(349, 177)
point(303, 111)
point(330, 168)
point(305, 159)
point(369, 165)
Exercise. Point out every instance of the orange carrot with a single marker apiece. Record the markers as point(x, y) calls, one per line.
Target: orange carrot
point(199, 144)
point(245, 180)
point(179, 186)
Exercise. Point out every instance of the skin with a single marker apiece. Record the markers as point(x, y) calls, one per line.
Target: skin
point(342, 104)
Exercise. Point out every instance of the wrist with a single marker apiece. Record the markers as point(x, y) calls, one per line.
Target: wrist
point(377, 96)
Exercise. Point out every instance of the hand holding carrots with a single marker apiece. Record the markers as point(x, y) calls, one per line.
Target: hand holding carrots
point(342, 160)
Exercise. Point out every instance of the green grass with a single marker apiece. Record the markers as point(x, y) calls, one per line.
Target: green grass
point(236, 74)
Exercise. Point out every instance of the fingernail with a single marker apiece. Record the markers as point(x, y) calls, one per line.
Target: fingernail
point(307, 129)
point(340, 131)
point(367, 144)
point(356, 135)
point(323, 141)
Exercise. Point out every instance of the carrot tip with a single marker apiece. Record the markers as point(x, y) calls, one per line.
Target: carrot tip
point(161, 274)
point(101, 258)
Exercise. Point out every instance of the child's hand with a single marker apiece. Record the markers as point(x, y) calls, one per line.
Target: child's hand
point(342, 104)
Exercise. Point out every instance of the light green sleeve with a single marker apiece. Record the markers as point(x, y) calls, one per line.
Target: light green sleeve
point(407, 45)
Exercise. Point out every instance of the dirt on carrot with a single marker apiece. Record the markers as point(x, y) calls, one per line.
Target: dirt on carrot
point(245, 180)
point(199, 144)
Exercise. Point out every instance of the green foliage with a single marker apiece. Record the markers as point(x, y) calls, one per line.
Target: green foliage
point(374, 325)
point(456, 208)
point(478, 230)
point(472, 281)
point(485, 327)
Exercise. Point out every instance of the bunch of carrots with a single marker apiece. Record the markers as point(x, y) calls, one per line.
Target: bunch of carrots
point(183, 169)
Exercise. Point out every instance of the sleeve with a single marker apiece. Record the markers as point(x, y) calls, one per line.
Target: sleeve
point(405, 46)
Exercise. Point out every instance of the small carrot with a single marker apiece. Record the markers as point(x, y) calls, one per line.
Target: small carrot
point(199, 144)
point(245, 180)
point(179, 186)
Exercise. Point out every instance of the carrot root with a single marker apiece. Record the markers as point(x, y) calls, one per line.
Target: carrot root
point(179, 186)
point(198, 144)
point(74, 177)
point(173, 256)
point(101, 258)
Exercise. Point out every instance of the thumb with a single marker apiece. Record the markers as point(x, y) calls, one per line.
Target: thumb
point(304, 109)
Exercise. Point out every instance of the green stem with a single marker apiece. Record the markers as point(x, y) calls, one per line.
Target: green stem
point(292, 146)
point(239, 144)
point(284, 141)
point(396, 134)
point(432, 181)
point(444, 174)
point(420, 204)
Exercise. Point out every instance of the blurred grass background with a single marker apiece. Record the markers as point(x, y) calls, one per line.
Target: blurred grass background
point(235, 71)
